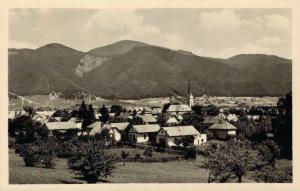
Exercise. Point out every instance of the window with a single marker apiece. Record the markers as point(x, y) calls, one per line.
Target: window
point(202, 140)
point(145, 136)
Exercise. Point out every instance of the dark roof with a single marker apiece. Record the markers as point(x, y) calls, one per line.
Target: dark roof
point(223, 125)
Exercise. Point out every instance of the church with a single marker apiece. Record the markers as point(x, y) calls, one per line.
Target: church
point(178, 106)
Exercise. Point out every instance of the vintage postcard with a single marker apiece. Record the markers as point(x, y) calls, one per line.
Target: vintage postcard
point(164, 95)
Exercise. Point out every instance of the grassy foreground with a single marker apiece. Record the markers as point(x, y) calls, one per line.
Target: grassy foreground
point(132, 172)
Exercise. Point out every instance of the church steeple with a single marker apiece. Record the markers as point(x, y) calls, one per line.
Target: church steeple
point(190, 95)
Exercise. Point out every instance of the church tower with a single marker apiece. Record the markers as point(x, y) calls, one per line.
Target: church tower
point(190, 95)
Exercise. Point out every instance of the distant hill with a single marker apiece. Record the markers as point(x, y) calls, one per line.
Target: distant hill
point(131, 69)
point(40, 71)
point(118, 48)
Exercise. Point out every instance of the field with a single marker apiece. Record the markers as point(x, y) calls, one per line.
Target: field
point(132, 172)
point(44, 100)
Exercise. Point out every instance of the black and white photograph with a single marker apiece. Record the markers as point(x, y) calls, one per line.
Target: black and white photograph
point(149, 95)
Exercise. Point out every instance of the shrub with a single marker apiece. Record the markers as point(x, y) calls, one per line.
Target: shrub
point(148, 152)
point(271, 174)
point(124, 154)
point(137, 156)
point(91, 161)
point(190, 153)
point(11, 142)
point(38, 153)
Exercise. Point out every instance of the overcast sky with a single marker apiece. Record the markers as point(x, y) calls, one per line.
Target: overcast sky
point(207, 32)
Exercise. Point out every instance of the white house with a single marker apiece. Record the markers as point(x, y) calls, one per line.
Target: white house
point(232, 117)
point(174, 136)
point(174, 120)
point(61, 127)
point(117, 130)
point(223, 129)
point(143, 133)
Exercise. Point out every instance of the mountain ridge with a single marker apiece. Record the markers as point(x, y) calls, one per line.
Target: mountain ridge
point(137, 70)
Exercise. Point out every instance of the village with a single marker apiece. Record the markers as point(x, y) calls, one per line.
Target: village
point(160, 126)
point(180, 129)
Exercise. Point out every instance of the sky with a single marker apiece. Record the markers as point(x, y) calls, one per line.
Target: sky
point(220, 33)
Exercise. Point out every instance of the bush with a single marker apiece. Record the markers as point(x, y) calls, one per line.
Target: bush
point(91, 161)
point(124, 154)
point(148, 152)
point(11, 142)
point(190, 153)
point(38, 153)
point(137, 156)
point(271, 174)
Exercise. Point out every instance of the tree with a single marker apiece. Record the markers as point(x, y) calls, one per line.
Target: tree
point(198, 109)
point(89, 117)
point(230, 160)
point(82, 112)
point(104, 114)
point(166, 107)
point(92, 162)
point(272, 174)
point(282, 125)
point(162, 119)
point(30, 110)
point(193, 119)
point(116, 109)
point(269, 152)
point(212, 110)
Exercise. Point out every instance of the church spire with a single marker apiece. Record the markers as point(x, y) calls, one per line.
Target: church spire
point(189, 87)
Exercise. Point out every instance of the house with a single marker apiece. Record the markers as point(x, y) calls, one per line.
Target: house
point(118, 130)
point(149, 119)
point(210, 120)
point(156, 110)
point(174, 120)
point(40, 118)
point(179, 135)
point(47, 113)
point(232, 117)
point(143, 133)
point(97, 127)
point(61, 127)
point(223, 129)
point(77, 121)
point(178, 109)
point(253, 117)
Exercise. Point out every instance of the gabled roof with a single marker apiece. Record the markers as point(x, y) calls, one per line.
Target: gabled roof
point(181, 131)
point(95, 128)
point(179, 108)
point(156, 110)
point(149, 118)
point(146, 128)
point(61, 125)
point(212, 119)
point(120, 126)
point(48, 113)
point(224, 125)
point(74, 119)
